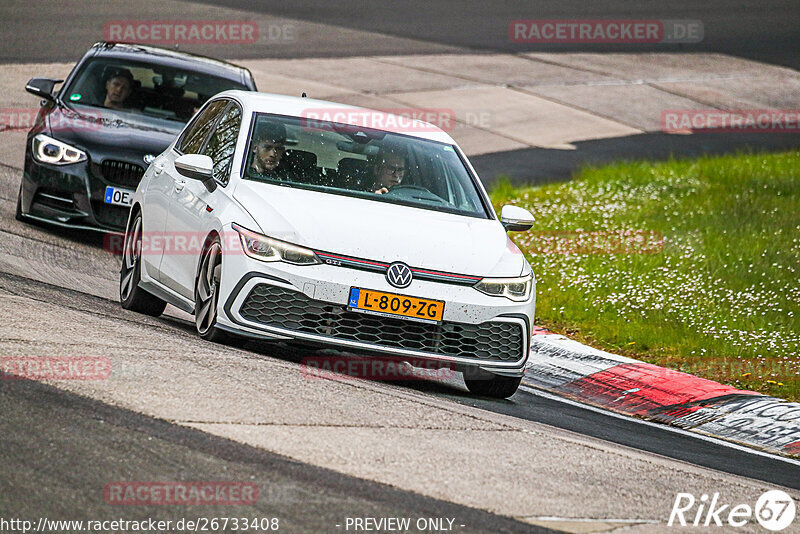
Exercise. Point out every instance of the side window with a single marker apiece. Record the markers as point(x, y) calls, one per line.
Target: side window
point(196, 132)
point(222, 143)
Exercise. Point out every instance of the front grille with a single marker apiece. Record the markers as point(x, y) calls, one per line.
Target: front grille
point(110, 215)
point(122, 173)
point(292, 310)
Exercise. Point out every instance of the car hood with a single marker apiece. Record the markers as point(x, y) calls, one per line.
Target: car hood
point(381, 231)
point(98, 129)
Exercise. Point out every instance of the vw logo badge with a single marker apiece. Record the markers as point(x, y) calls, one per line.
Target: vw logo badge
point(149, 158)
point(399, 275)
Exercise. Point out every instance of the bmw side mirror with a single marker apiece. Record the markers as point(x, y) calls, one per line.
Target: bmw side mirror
point(197, 167)
point(42, 87)
point(516, 219)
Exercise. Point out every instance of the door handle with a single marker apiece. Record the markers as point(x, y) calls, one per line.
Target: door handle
point(179, 185)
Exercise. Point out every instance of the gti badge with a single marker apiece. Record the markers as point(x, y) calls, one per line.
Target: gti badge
point(148, 158)
point(399, 275)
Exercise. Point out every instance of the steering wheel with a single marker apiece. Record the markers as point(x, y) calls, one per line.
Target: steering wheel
point(416, 188)
point(409, 187)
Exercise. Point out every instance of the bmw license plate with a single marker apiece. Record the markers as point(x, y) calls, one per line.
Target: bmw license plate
point(391, 305)
point(118, 197)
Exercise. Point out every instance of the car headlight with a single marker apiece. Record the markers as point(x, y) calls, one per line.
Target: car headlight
point(55, 152)
point(517, 289)
point(266, 248)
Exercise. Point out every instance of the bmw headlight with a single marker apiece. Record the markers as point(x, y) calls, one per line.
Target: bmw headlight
point(266, 248)
point(517, 289)
point(55, 152)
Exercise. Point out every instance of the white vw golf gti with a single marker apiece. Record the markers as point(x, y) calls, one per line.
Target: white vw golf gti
point(286, 218)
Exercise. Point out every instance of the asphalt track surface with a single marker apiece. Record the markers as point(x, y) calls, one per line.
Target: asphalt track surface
point(627, 431)
point(40, 30)
point(56, 445)
point(763, 31)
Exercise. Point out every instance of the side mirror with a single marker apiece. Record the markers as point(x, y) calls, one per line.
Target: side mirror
point(197, 167)
point(516, 219)
point(42, 87)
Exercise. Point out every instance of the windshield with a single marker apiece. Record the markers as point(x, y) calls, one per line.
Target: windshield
point(144, 88)
point(350, 160)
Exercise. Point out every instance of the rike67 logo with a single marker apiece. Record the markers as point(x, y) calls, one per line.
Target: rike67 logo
point(774, 510)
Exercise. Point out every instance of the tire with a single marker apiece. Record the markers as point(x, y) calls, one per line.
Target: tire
point(18, 215)
point(486, 384)
point(131, 296)
point(206, 293)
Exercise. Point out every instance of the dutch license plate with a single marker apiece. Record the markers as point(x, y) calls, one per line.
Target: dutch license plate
point(391, 305)
point(118, 197)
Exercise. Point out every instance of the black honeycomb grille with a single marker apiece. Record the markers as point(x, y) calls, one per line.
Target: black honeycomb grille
point(292, 310)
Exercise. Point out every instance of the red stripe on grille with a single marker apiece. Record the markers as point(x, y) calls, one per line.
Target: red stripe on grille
point(379, 264)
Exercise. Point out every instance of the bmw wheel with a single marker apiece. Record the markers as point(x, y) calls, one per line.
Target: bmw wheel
point(18, 216)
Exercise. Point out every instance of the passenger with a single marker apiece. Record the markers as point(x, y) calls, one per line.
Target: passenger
point(118, 88)
point(388, 170)
point(269, 142)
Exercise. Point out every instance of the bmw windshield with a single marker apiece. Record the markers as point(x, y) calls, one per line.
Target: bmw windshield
point(362, 162)
point(143, 88)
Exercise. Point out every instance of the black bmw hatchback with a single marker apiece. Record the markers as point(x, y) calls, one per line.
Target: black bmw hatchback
point(92, 140)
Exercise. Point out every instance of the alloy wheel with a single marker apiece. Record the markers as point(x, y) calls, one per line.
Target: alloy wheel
point(130, 259)
point(207, 290)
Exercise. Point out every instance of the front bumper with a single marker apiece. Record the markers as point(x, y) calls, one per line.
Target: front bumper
point(309, 303)
point(70, 196)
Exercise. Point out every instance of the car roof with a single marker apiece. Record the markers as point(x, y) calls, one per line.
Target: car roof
point(324, 110)
point(173, 58)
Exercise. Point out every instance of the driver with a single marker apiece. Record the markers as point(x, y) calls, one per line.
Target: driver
point(118, 88)
point(388, 170)
point(268, 148)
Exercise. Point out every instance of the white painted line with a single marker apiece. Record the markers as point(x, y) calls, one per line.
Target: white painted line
point(661, 426)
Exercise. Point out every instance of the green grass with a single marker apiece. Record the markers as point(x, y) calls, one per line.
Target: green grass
point(720, 299)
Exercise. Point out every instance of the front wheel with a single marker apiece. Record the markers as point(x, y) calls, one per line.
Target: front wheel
point(206, 293)
point(131, 296)
point(486, 384)
point(18, 215)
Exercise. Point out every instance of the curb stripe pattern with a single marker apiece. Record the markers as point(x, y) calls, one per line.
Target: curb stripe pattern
point(571, 369)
